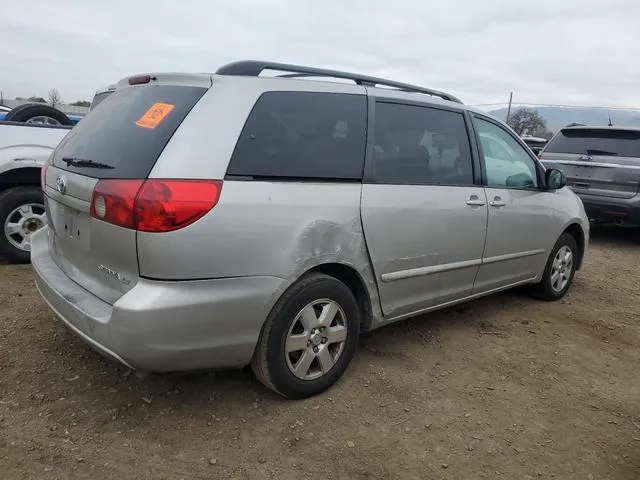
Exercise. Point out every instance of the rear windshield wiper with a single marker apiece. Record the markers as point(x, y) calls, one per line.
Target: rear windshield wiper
point(83, 162)
point(595, 151)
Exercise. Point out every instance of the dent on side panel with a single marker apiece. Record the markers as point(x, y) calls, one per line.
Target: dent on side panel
point(325, 242)
point(278, 229)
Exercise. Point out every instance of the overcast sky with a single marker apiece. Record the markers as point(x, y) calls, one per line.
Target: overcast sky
point(548, 51)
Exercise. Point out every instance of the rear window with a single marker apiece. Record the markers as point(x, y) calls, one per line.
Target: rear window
point(592, 141)
point(126, 135)
point(303, 135)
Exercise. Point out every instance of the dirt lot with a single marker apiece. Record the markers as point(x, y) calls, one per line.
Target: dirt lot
point(505, 387)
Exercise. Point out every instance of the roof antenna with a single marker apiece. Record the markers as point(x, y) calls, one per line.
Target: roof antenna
point(610, 123)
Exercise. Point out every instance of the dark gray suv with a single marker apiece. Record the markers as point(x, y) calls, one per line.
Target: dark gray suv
point(602, 165)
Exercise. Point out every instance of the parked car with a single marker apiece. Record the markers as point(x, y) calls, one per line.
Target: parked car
point(602, 165)
point(213, 221)
point(536, 144)
point(23, 151)
point(24, 148)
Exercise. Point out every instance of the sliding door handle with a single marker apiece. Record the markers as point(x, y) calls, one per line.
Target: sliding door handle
point(497, 203)
point(475, 202)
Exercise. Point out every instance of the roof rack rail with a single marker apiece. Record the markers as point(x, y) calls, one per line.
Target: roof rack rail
point(253, 68)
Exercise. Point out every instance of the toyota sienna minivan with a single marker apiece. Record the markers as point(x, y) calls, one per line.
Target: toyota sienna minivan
point(213, 221)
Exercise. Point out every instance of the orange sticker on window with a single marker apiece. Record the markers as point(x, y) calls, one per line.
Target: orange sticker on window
point(155, 115)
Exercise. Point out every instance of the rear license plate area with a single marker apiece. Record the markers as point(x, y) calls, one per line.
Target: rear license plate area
point(70, 225)
point(70, 221)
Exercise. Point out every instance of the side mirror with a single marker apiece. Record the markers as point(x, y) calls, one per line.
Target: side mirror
point(520, 180)
point(555, 179)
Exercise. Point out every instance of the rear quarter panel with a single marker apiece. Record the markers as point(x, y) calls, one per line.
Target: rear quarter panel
point(279, 229)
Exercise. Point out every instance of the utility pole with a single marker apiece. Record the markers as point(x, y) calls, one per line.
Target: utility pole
point(509, 109)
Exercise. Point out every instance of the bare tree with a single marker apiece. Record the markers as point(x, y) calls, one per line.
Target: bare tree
point(527, 120)
point(54, 97)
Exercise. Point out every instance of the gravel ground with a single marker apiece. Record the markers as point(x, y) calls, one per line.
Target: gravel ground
point(505, 387)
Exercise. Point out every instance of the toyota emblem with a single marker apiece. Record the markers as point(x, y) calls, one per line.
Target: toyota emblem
point(61, 183)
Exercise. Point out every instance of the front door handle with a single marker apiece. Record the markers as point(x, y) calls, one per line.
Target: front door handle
point(497, 202)
point(474, 201)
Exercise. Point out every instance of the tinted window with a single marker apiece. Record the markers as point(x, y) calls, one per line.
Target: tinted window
point(421, 146)
point(593, 141)
point(507, 162)
point(303, 135)
point(98, 98)
point(112, 135)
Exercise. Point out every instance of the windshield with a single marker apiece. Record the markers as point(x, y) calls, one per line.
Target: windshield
point(596, 141)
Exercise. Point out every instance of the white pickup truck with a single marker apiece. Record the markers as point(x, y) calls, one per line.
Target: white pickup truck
point(24, 148)
point(25, 145)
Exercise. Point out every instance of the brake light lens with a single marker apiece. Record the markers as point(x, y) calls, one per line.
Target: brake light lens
point(154, 205)
point(163, 206)
point(43, 175)
point(139, 79)
point(113, 201)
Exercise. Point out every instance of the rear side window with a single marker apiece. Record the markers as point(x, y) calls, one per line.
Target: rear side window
point(593, 141)
point(303, 135)
point(418, 145)
point(126, 135)
point(98, 98)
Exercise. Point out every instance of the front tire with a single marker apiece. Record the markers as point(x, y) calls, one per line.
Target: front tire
point(309, 337)
point(21, 213)
point(559, 271)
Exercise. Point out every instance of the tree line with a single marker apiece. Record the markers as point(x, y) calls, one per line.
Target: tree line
point(54, 99)
point(527, 121)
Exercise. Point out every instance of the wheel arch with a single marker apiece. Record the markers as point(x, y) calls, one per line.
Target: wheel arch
point(354, 281)
point(576, 231)
point(16, 177)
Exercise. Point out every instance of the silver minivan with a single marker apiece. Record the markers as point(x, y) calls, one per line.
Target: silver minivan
point(211, 221)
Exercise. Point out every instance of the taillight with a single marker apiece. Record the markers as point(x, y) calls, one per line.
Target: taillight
point(154, 205)
point(113, 201)
point(43, 175)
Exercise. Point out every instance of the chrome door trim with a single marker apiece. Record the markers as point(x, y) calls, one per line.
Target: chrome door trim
point(512, 256)
point(418, 272)
point(446, 267)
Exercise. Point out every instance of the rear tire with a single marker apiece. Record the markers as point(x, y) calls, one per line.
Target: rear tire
point(21, 214)
point(559, 271)
point(309, 337)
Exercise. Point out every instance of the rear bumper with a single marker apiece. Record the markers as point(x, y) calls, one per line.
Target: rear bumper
point(612, 210)
point(162, 326)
